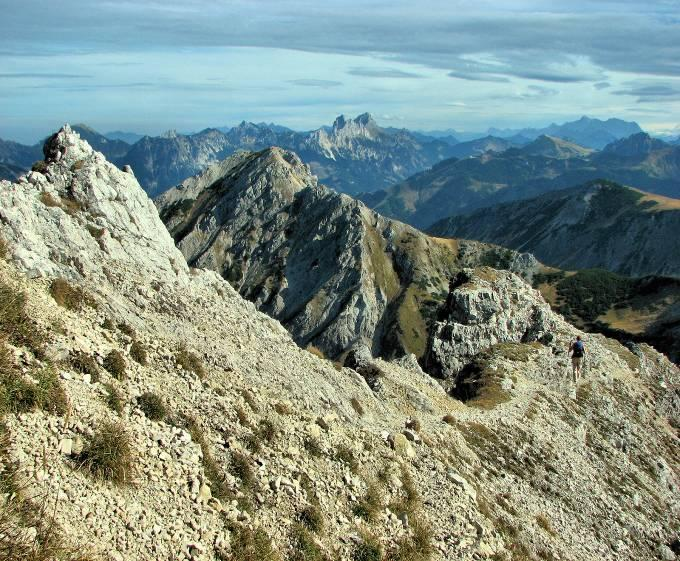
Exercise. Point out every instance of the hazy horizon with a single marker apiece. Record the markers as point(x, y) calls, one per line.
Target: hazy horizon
point(146, 67)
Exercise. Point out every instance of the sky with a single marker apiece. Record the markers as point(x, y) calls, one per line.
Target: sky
point(150, 66)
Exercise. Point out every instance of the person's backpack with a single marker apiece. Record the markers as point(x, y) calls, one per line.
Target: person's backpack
point(578, 349)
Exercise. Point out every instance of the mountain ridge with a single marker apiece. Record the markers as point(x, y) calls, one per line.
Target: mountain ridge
point(336, 274)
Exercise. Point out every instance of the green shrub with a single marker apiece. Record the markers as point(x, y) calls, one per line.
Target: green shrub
point(189, 362)
point(114, 399)
point(114, 363)
point(3, 248)
point(85, 364)
point(68, 296)
point(138, 353)
point(108, 454)
point(152, 406)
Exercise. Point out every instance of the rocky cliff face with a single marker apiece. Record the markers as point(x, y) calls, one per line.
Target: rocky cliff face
point(600, 224)
point(334, 273)
point(263, 444)
point(160, 162)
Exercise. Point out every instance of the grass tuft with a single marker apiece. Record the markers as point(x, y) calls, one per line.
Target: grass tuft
point(304, 545)
point(313, 447)
point(369, 506)
point(114, 363)
point(312, 518)
point(368, 549)
point(356, 405)
point(282, 408)
point(126, 329)
point(346, 456)
point(85, 364)
point(108, 454)
point(114, 399)
point(241, 467)
point(18, 394)
point(152, 406)
point(190, 362)
point(211, 467)
point(4, 249)
point(15, 323)
point(249, 544)
point(138, 353)
point(69, 296)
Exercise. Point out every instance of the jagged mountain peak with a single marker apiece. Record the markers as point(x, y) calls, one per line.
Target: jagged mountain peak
point(360, 125)
point(91, 210)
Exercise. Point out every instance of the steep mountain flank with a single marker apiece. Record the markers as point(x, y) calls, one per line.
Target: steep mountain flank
point(597, 225)
point(459, 186)
point(336, 274)
point(230, 442)
point(18, 157)
point(455, 187)
point(160, 162)
point(637, 145)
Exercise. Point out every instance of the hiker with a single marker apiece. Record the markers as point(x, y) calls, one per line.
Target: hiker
point(578, 351)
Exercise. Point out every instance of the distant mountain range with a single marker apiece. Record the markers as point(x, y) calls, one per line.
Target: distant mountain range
point(352, 155)
point(459, 186)
point(591, 133)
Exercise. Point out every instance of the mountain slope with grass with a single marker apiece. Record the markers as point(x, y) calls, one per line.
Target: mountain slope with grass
point(597, 225)
point(149, 412)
